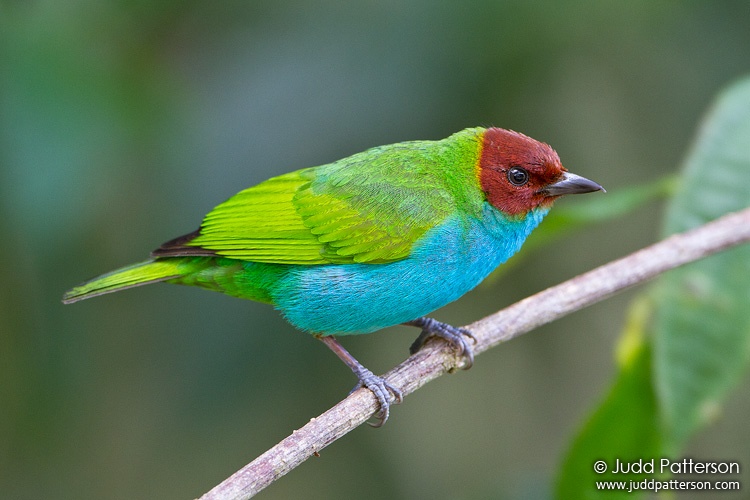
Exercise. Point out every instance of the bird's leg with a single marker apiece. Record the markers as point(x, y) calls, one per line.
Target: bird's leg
point(453, 335)
point(376, 384)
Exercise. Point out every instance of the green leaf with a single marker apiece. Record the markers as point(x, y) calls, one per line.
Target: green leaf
point(702, 324)
point(676, 369)
point(625, 425)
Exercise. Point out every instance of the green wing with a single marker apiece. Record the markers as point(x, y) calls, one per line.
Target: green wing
point(371, 207)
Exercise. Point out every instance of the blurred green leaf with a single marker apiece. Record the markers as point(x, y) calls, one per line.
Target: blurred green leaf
point(702, 326)
point(625, 425)
point(699, 341)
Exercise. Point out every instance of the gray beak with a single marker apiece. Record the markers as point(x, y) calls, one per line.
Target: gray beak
point(571, 184)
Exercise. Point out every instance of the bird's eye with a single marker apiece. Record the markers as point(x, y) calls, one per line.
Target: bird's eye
point(518, 176)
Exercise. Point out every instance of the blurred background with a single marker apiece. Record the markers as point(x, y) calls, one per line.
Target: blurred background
point(123, 122)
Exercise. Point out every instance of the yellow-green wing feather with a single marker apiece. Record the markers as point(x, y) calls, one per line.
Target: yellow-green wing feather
point(369, 208)
point(261, 224)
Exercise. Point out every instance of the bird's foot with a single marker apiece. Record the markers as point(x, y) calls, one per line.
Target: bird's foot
point(456, 337)
point(384, 392)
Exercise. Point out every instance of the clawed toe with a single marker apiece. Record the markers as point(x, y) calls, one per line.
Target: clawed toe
point(385, 393)
point(456, 337)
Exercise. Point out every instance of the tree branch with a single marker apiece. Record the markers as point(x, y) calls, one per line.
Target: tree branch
point(436, 358)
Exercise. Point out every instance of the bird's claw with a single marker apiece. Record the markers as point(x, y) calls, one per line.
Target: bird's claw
point(456, 338)
point(379, 387)
point(385, 393)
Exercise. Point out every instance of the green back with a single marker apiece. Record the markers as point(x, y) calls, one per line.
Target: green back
point(370, 207)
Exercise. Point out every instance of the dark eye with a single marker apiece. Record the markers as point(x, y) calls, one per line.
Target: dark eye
point(518, 176)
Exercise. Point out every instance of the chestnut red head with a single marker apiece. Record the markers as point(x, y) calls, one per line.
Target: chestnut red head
point(518, 173)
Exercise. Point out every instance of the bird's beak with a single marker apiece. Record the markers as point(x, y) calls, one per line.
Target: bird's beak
point(571, 184)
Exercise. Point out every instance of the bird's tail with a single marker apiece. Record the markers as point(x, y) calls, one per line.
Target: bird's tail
point(142, 273)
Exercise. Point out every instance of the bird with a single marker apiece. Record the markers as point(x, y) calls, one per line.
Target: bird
point(380, 238)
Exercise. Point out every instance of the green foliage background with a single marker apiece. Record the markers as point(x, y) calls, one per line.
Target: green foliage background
point(122, 123)
point(687, 344)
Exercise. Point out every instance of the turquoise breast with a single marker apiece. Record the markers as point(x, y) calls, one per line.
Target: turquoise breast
point(451, 259)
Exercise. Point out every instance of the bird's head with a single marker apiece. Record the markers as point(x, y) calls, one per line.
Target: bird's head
point(518, 173)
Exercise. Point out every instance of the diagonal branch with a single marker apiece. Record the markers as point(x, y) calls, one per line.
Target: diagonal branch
point(436, 358)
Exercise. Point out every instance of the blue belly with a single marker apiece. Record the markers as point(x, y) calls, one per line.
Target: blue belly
point(450, 260)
